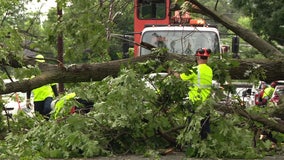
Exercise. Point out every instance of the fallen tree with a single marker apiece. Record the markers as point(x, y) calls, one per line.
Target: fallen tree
point(273, 123)
point(98, 71)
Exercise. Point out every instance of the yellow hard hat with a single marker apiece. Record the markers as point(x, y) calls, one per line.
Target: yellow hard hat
point(40, 58)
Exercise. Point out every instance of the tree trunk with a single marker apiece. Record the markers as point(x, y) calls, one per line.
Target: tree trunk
point(98, 71)
point(249, 36)
point(60, 44)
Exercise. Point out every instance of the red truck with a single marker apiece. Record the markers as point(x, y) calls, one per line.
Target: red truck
point(158, 24)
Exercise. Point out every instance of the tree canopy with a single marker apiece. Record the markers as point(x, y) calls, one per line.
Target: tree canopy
point(267, 18)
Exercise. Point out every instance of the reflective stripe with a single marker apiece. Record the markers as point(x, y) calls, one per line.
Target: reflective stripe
point(202, 86)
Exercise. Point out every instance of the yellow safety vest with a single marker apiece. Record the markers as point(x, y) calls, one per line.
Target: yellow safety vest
point(41, 93)
point(267, 94)
point(60, 104)
point(200, 83)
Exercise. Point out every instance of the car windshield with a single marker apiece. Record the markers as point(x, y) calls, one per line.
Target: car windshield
point(181, 42)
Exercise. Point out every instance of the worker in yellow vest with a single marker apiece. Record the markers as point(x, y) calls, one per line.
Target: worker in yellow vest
point(60, 107)
point(268, 93)
point(42, 96)
point(200, 79)
point(59, 104)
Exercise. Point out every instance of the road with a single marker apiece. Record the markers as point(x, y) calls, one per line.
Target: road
point(172, 156)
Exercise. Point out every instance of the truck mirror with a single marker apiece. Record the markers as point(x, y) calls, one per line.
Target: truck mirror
point(235, 44)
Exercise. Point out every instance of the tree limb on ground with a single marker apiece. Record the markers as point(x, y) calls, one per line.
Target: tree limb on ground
point(98, 71)
point(269, 123)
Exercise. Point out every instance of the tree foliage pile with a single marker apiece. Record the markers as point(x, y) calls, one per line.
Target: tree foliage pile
point(133, 114)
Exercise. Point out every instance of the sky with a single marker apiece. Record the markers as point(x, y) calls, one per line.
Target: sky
point(43, 6)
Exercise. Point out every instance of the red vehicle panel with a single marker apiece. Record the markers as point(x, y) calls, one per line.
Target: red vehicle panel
point(149, 12)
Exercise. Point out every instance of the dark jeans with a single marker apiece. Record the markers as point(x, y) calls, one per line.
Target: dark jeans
point(43, 107)
point(205, 127)
point(205, 122)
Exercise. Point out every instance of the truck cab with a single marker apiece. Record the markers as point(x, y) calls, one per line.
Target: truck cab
point(157, 23)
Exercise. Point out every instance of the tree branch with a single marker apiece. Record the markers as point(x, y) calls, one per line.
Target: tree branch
point(267, 122)
point(264, 47)
point(98, 71)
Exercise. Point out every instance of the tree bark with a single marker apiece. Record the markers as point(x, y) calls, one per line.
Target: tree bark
point(98, 71)
point(274, 69)
point(71, 74)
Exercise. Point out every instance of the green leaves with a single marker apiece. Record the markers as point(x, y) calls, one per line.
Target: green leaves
point(265, 21)
point(136, 113)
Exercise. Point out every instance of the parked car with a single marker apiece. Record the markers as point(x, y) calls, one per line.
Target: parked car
point(240, 92)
